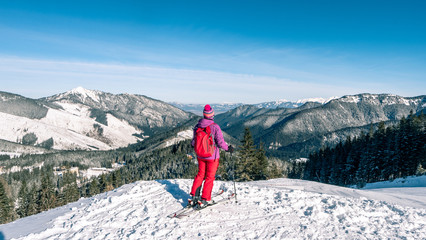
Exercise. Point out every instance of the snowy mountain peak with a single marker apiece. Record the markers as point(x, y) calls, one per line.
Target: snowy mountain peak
point(77, 95)
point(317, 100)
point(80, 90)
point(282, 101)
point(84, 93)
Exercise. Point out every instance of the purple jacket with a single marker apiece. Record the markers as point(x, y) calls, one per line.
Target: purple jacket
point(217, 135)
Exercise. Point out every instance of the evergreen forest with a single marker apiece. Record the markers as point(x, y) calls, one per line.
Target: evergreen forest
point(381, 155)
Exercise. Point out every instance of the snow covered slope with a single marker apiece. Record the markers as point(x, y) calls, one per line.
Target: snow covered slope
point(68, 130)
point(275, 209)
point(85, 119)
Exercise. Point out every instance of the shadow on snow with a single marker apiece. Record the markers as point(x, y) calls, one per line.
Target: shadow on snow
point(177, 193)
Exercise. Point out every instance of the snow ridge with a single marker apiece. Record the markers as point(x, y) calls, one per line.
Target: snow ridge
point(318, 100)
point(274, 209)
point(380, 99)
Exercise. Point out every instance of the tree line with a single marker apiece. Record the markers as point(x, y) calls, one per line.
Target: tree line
point(380, 155)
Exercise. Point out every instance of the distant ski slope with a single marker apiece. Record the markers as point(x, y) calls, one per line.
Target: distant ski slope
point(274, 209)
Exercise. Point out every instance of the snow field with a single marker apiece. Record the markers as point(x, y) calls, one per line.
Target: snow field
point(275, 209)
point(69, 129)
point(303, 215)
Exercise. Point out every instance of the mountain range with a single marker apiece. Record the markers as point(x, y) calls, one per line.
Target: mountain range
point(224, 107)
point(295, 132)
point(95, 120)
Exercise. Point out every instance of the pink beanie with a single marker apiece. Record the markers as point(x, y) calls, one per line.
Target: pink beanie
point(208, 112)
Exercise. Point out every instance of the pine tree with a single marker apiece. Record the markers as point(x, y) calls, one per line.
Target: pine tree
point(94, 187)
point(23, 203)
point(70, 189)
point(102, 183)
point(350, 163)
point(261, 165)
point(252, 163)
point(109, 185)
point(274, 171)
point(116, 179)
point(32, 201)
point(46, 195)
point(247, 158)
point(6, 205)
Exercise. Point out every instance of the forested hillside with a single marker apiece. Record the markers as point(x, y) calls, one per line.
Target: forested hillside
point(296, 132)
point(384, 154)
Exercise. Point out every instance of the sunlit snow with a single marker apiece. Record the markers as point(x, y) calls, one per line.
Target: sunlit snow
point(274, 209)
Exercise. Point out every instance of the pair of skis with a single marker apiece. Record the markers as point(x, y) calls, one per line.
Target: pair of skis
point(188, 210)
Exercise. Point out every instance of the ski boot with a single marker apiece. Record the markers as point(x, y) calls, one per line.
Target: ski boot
point(203, 203)
point(193, 201)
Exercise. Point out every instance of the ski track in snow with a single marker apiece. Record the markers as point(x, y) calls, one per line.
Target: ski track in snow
point(274, 209)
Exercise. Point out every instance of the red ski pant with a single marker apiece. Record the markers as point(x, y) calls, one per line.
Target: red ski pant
point(206, 172)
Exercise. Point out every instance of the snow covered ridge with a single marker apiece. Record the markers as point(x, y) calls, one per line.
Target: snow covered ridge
point(224, 107)
point(381, 99)
point(69, 131)
point(79, 92)
point(138, 110)
point(180, 136)
point(85, 119)
point(283, 103)
point(318, 100)
point(274, 209)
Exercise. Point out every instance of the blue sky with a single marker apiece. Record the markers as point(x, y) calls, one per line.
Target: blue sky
point(214, 52)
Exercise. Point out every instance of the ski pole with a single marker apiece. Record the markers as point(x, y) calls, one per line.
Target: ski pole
point(233, 178)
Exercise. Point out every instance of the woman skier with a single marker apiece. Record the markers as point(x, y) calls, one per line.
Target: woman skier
point(207, 165)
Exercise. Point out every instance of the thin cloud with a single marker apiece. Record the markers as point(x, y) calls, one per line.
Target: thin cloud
point(167, 84)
